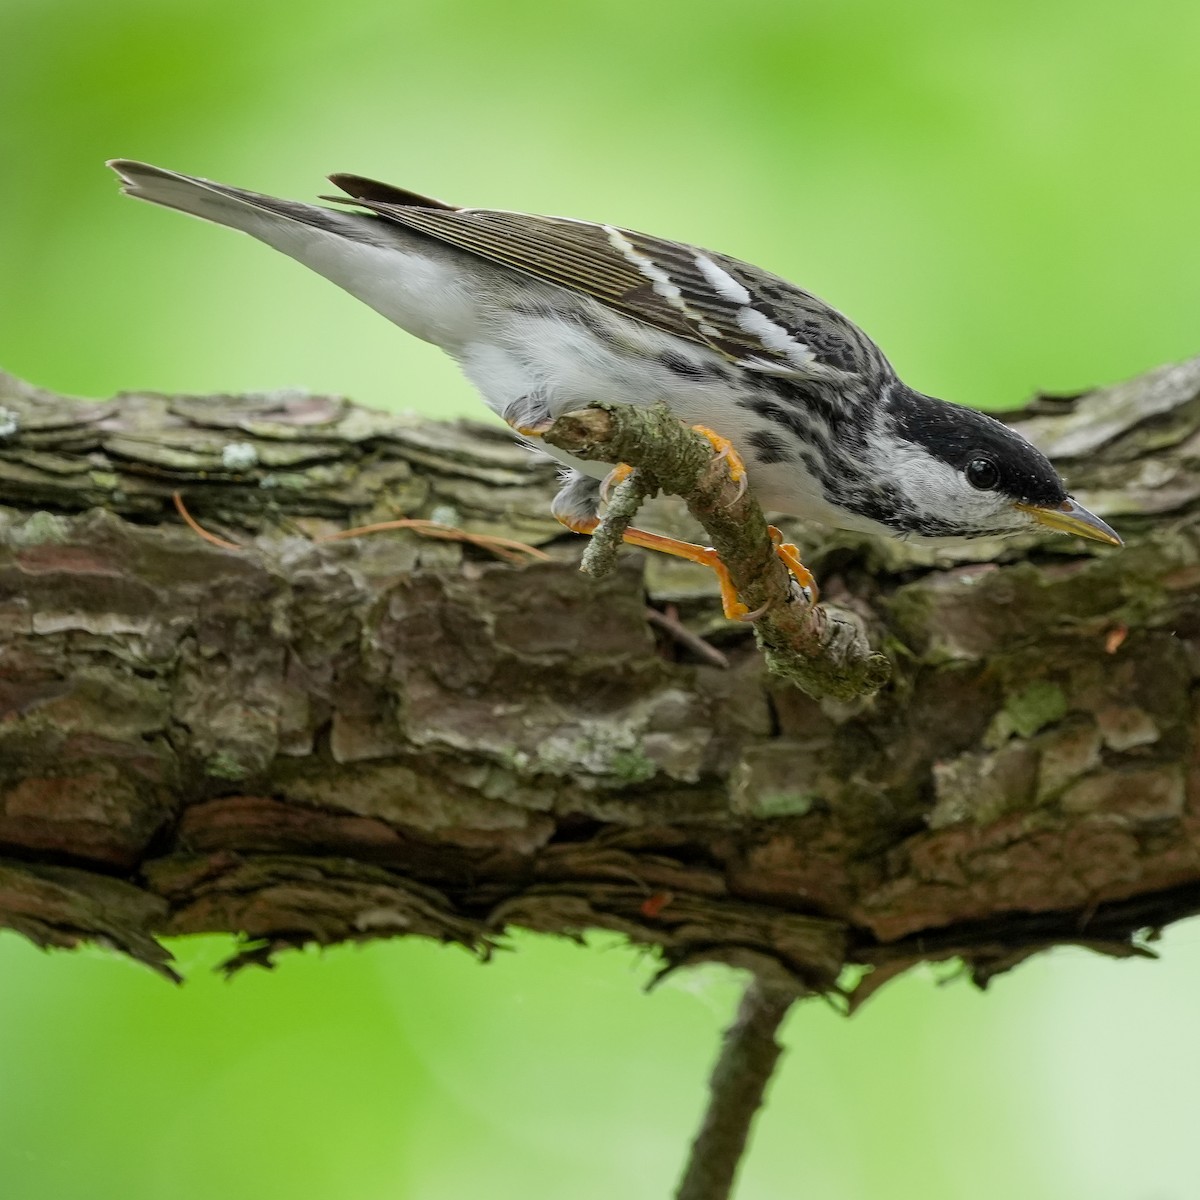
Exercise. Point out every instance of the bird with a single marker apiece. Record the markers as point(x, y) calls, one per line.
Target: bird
point(545, 315)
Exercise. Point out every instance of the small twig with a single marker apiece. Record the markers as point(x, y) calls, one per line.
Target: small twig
point(600, 556)
point(748, 1056)
point(507, 548)
point(685, 637)
point(199, 529)
point(822, 650)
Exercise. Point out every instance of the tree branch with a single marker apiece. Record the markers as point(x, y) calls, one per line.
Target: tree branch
point(318, 741)
point(739, 1081)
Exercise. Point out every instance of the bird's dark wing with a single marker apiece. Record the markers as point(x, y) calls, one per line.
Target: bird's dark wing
point(753, 318)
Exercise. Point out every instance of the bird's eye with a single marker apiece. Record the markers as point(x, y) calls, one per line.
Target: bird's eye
point(983, 474)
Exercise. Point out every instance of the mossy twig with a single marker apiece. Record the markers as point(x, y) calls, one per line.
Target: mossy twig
point(600, 557)
point(823, 650)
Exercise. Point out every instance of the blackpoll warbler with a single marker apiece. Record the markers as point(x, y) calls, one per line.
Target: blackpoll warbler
point(547, 314)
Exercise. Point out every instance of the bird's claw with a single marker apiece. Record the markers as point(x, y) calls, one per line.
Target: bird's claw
point(726, 454)
point(789, 553)
point(614, 479)
point(800, 576)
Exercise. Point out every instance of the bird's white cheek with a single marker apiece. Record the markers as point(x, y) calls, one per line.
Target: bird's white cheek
point(932, 486)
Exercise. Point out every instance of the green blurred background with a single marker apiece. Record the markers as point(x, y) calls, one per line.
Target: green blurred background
point(1004, 194)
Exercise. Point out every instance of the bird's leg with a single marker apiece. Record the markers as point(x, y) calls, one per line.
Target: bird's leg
point(787, 551)
point(731, 603)
point(734, 609)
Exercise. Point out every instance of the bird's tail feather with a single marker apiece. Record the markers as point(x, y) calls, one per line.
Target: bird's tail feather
point(265, 217)
point(414, 283)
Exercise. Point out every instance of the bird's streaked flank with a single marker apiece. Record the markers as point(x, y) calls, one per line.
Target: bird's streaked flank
point(547, 314)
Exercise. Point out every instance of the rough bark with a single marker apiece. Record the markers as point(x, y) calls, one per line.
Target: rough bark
point(304, 741)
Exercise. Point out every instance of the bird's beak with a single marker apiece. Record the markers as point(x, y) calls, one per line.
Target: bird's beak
point(1070, 517)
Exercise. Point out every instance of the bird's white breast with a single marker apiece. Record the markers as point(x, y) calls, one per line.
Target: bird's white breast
point(565, 365)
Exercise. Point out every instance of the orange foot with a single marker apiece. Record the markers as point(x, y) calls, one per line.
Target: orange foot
point(790, 555)
point(727, 454)
point(731, 602)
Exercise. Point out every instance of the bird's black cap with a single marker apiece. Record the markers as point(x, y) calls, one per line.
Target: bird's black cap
point(959, 435)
